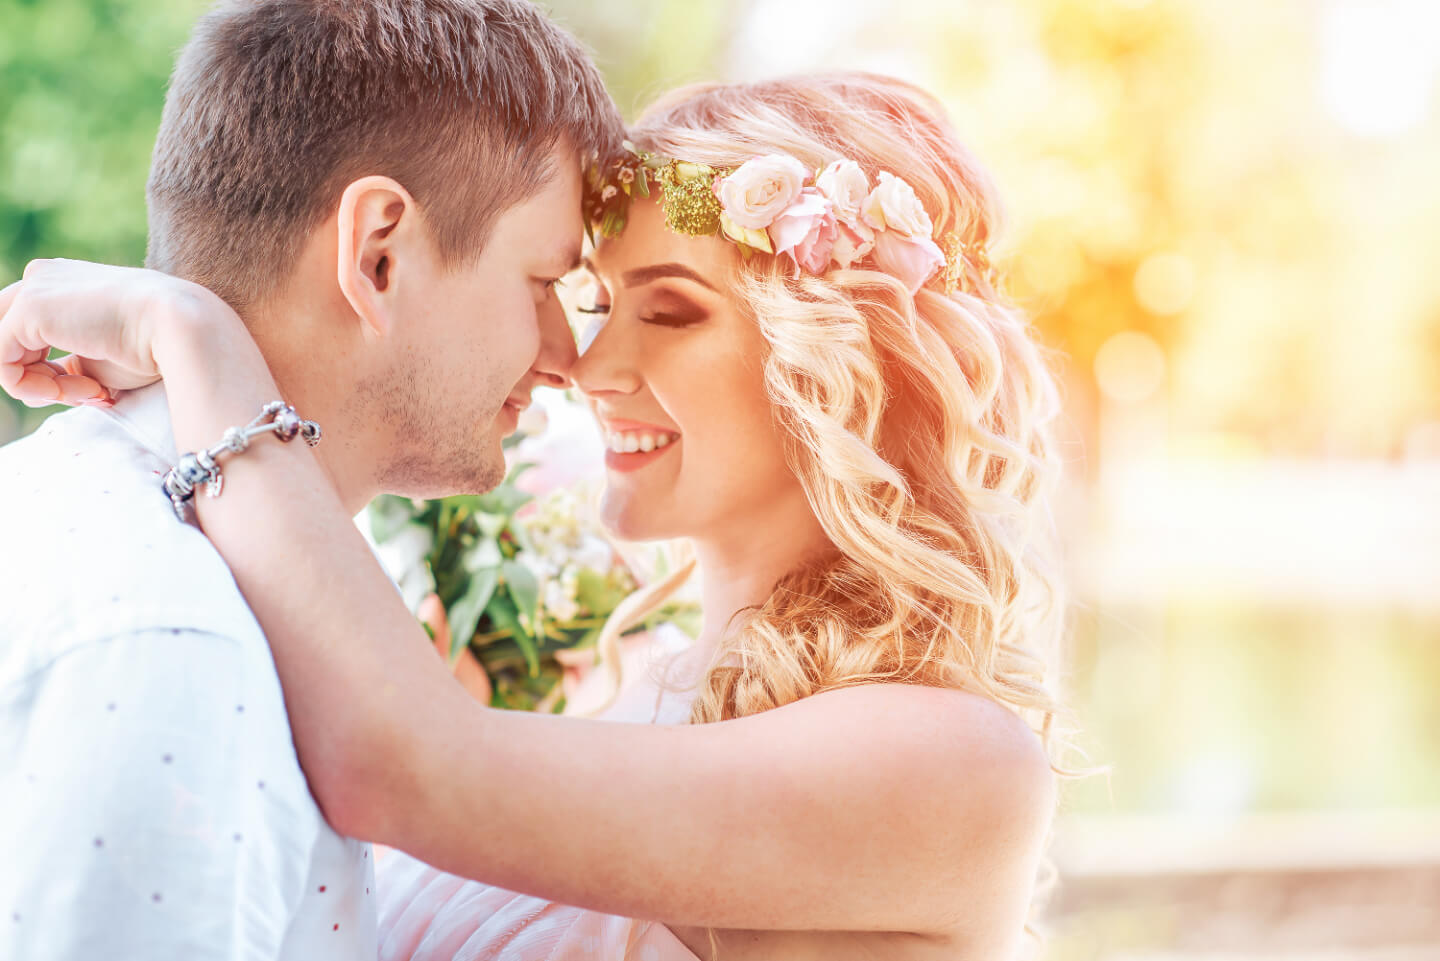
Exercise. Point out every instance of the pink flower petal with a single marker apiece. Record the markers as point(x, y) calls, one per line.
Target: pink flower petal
point(912, 259)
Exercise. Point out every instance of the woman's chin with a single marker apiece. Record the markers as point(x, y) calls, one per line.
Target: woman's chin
point(625, 517)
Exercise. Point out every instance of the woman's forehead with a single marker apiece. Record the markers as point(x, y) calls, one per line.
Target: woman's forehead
point(646, 240)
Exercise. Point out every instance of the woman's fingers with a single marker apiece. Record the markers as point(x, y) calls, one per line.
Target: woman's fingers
point(39, 383)
point(472, 676)
point(30, 378)
point(13, 356)
point(82, 390)
point(26, 374)
point(113, 378)
point(23, 371)
point(10, 371)
point(432, 614)
point(466, 668)
point(36, 386)
point(78, 387)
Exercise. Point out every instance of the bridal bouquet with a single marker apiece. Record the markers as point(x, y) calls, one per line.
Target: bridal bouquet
point(522, 580)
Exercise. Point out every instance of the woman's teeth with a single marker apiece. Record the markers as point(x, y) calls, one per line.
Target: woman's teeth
point(638, 441)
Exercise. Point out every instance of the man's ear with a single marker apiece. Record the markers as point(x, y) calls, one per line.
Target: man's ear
point(377, 225)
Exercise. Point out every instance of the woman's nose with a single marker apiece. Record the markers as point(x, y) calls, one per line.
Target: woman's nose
point(609, 363)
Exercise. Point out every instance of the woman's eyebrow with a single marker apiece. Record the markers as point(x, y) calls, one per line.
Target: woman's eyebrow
point(644, 275)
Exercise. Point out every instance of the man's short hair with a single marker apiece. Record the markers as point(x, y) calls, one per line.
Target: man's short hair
point(276, 105)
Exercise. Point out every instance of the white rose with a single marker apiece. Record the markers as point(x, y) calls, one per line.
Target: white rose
point(892, 205)
point(761, 189)
point(845, 185)
point(559, 601)
point(403, 556)
point(594, 553)
point(544, 568)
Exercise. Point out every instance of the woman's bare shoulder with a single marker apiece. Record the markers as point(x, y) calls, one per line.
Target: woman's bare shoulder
point(966, 721)
point(946, 742)
point(960, 783)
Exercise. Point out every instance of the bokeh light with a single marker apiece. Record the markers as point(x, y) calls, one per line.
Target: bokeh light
point(1130, 367)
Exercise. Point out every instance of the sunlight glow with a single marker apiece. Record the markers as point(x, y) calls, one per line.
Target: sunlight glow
point(1380, 62)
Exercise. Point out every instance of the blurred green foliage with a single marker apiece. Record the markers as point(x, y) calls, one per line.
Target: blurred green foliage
point(521, 580)
point(82, 83)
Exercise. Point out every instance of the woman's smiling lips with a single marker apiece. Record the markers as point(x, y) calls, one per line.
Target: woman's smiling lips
point(632, 444)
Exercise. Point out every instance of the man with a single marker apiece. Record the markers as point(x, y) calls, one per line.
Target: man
point(386, 191)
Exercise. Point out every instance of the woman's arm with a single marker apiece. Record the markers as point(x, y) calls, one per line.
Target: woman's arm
point(873, 808)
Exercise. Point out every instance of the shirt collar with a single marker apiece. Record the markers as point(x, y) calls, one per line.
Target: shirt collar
point(145, 415)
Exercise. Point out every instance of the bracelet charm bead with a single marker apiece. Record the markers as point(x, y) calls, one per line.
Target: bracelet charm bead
point(202, 468)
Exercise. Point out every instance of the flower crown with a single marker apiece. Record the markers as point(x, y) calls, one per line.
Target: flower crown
point(773, 205)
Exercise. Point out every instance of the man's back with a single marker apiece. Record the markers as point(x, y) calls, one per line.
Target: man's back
point(152, 803)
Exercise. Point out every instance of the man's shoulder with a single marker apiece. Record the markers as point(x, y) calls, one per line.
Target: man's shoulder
point(77, 450)
point(94, 548)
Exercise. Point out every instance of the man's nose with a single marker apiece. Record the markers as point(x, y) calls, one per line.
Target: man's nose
point(557, 347)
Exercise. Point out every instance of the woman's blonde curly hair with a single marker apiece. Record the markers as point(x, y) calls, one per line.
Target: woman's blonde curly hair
point(919, 426)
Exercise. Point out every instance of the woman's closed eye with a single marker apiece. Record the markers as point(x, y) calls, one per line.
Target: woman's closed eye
point(659, 318)
point(664, 319)
point(668, 310)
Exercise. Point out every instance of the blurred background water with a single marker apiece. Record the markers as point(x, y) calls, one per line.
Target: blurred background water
point(1225, 220)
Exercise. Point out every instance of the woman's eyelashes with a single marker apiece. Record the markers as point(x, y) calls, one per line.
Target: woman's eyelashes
point(659, 317)
point(664, 319)
point(666, 309)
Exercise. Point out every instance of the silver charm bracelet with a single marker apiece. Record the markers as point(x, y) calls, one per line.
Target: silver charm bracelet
point(202, 468)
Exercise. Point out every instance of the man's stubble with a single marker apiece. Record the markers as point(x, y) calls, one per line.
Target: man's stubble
point(437, 442)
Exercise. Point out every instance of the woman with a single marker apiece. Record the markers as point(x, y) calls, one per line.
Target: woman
point(801, 365)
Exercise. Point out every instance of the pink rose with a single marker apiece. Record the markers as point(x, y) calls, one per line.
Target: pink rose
point(845, 185)
point(761, 189)
point(852, 242)
point(806, 230)
point(912, 259)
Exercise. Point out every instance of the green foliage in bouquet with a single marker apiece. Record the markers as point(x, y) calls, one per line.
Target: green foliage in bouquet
point(520, 579)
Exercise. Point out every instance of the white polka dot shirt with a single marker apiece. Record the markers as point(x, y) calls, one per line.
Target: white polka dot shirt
point(151, 804)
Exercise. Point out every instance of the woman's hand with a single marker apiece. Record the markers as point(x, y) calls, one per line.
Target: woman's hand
point(109, 319)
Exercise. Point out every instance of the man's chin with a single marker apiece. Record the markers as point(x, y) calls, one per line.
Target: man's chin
point(433, 481)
